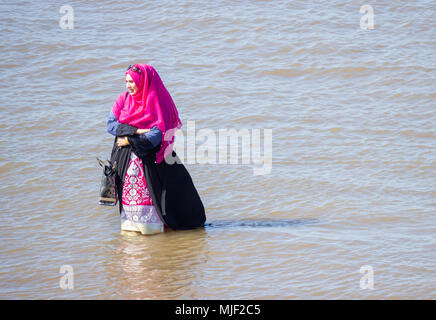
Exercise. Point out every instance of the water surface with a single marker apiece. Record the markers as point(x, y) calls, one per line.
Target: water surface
point(352, 181)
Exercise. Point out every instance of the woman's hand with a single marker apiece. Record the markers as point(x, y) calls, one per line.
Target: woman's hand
point(122, 142)
point(141, 131)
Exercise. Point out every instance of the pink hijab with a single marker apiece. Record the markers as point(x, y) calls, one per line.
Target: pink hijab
point(151, 106)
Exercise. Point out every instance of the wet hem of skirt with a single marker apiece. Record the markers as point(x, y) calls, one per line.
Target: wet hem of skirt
point(144, 228)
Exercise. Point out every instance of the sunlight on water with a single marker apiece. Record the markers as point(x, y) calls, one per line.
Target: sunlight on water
point(351, 111)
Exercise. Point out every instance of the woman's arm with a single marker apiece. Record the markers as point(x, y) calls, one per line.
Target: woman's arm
point(120, 130)
point(143, 144)
point(124, 141)
point(112, 124)
point(142, 140)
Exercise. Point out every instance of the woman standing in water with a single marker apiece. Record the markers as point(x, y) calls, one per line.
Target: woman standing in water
point(152, 192)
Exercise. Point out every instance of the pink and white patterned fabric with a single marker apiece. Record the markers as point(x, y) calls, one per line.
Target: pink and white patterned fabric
point(138, 212)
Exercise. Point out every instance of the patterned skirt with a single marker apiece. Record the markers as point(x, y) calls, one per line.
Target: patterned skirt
point(138, 212)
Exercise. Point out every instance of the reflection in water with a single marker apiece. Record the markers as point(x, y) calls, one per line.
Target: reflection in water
point(162, 266)
point(172, 265)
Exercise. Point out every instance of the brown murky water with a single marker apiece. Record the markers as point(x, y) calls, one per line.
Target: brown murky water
point(353, 171)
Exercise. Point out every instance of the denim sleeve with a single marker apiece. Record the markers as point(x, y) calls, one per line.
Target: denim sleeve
point(112, 124)
point(119, 129)
point(154, 136)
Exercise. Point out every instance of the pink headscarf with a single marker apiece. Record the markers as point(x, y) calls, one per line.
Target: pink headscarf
point(151, 106)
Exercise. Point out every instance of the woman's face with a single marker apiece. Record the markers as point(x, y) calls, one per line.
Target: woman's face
point(130, 85)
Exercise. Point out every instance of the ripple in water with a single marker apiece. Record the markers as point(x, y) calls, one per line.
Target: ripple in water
point(260, 223)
